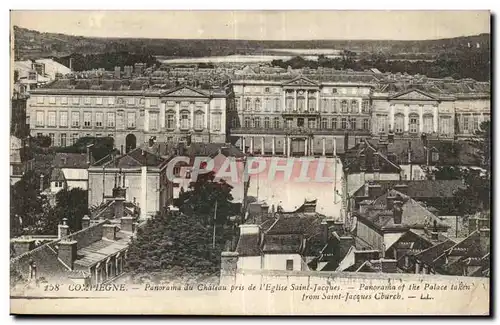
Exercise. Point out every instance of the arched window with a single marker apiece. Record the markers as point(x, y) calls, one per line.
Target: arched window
point(428, 123)
point(344, 106)
point(399, 123)
point(276, 104)
point(248, 104)
point(343, 123)
point(354, 106)
point(366, 106)
point(256, 122)
point(414, 123)
point(267, 104)
point(257, 104)
point(267, 123)
point(248, 123)
point(277, 123)
point(312, 103)
point(324, 123)
point(234, 122)
point(334, 123)
point(199, 120)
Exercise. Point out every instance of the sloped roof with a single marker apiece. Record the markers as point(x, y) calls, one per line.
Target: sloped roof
point(418, 188)
point(414, 214)
point(70, 160)
point(57, 175)
point(135, 158)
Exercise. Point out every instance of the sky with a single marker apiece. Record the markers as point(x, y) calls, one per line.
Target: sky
point(259, 25)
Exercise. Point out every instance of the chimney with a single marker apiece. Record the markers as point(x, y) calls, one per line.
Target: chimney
point(85, 222)
point(67, 252)
point(363, 206)
point(390, 200)
point(403, 188)
point(88, 154)
point(63, 229)
point(397, 212)
point(127, 224)
point(71, 64)
point(324, 231)
point(374, 190)
point(229, 263)
point(389, 266)
point(41, 182)
point(23, 245)
point(484, 240)
point(121, 149)
point(109, 231)
point(249, 229)
point(310, 206)
point(367, 255)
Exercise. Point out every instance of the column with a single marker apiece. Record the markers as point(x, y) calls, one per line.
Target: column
point(312, 146)
point(391, 117)
point(288, 147)
point(285, 141)
point(192, 116)
point(295, 100)
point(273, 143)
point(206, 116)
point(406, 121)
point(307, 101)
point(162, 115)
point(283, 105)
point(146, 120)
point(243, 145)
point(262, 151)
point(177, 115)
point(323, 141)
point(251, 145)
point(435, 119)
point(421, 119)
point(335, 147)
point(317, 101)
point(305, 147)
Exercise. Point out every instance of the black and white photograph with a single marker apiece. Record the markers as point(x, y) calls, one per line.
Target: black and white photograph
point(279, 162)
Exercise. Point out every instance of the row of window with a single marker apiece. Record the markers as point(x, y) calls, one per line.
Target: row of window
point(471, 123)
point(325, 90)
point(74, 100)
point(112, 120)
point(327, 105)
point(445, 124)
point(325, 123)
point(62, 139)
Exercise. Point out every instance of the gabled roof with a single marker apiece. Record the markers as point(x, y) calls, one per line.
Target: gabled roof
point(300, 80)
point(414, 94)
point(414, 215)
point(57, 175)
point(135, 158)
point(184, 91)
point(70, 160)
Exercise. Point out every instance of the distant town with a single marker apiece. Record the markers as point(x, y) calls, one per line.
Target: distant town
point(408, 155)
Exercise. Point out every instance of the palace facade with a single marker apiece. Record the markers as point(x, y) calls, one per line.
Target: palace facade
point(317, 114)
point(67, 110)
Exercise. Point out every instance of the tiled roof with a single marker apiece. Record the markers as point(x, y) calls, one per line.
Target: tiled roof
point(414, 215)
point(70, 160)
point(135, 158)
point(100, 250)
point(418, 188)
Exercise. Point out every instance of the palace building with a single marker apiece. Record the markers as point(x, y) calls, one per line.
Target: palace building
point(129, 111)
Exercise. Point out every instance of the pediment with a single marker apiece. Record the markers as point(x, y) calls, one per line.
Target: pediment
point(414, 95)
point(300, 81)
point(184, 92)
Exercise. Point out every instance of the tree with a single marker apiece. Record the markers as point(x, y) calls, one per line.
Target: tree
point(30, 211)
point(174, 244)
point(201, 197)
point(72, 205)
